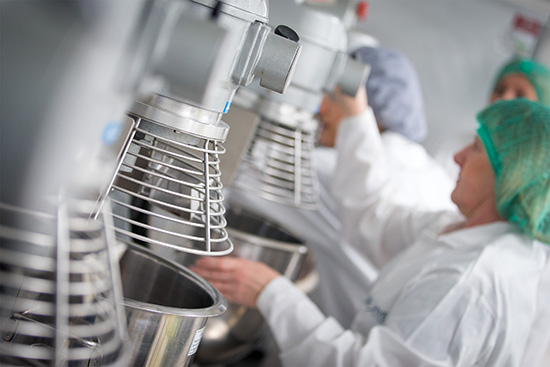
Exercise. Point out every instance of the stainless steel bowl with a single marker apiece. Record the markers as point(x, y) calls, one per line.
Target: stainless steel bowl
point(232, 336)
point(167, 307)
point(240, 330)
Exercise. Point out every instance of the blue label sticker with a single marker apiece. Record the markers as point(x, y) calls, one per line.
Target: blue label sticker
point(226, 108)
point(111, 132)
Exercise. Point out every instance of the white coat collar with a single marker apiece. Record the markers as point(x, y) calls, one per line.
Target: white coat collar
point(478, 236)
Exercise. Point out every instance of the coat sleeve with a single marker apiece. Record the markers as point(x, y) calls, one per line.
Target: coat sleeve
point(372, 221)
point(307, 338)
point(438, 321)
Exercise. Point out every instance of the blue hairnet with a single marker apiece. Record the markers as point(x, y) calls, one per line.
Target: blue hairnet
point(393, 91)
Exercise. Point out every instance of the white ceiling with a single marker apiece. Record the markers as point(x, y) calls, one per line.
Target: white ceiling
point(538, 6)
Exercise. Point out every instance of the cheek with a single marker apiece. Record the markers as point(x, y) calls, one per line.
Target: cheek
point(488, 184)
point(460, 192)
point(484, 185)
point(475, 181)
point(532, 96)
point(460, 187)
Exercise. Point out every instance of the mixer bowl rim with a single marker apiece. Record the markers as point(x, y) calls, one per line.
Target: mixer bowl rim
point(218, 307)
point(249, 238)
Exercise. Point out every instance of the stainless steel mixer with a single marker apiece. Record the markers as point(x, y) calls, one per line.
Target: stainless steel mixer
point(84, 62)
point(60, 288)
point(171, 158)
point(178, 173)
point(167, 307)
point(240, 330)
point(231, 336)
point(59, 281)
point(167, 188)
point(279, 164)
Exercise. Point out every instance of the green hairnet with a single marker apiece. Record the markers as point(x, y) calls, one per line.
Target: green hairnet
point(537, 74)
point(516, 135)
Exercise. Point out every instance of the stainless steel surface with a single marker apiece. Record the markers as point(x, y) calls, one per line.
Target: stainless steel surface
point(74, 81)
point(273, 58)
point(241, 330)
point(65, 79)
point(231, 336)
point(189, 55)
point(179, 173)
point(279, 165)
point(171, 156)
point(323, 63)
point(249, 10)
point(243, 125)
point(60, 288)
point(183, 117)
point(167, 307)
point(84, 63)
point(238, 59)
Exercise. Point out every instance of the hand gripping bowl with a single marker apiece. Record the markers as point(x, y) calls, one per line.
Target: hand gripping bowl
point(240, 330)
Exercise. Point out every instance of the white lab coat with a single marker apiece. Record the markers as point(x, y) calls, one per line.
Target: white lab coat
point(335, 261)
point(463, 298)
point(418, 180)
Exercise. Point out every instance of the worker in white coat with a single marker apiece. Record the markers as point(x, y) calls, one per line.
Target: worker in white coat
point(461, 289)
point(396, 98)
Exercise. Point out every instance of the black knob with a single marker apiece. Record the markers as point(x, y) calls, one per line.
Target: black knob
point(287, 32)
point(216, 10)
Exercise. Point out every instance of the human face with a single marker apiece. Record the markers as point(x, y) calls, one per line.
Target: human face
point(330, 116)
point(514, 86)
point(474, 193)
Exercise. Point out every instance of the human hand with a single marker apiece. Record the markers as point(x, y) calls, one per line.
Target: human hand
point(351, 106)
point(330, 117)
point(334, 108)
point(239, 280)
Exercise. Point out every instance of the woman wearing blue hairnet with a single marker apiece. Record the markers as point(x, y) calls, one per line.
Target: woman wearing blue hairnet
point(467, 289)
point(395, 97)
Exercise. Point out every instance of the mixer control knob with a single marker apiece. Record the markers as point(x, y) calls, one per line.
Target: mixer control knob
point(287, 32)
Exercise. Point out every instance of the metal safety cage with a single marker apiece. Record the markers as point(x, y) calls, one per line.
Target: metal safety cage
point(60, 288)
point(279, 164)
point(288, 119)
point(168, 174)
point(168, 177)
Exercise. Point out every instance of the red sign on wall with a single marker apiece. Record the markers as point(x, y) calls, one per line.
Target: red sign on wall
point(525, 32)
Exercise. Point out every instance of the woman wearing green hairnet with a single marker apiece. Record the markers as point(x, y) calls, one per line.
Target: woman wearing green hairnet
point(522, 78)
point(457, 289)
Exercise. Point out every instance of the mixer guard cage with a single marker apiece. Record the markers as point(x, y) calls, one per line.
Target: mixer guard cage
point(279, 165)
point(61, 288)
point(169, 178)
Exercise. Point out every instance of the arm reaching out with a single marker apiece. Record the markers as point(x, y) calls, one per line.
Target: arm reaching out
point(365, 189)
point(351, 106)
point(239, 280)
